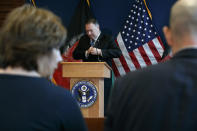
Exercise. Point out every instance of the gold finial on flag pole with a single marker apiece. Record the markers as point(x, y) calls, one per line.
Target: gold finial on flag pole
point(88, 1)
point(149, 13)
point(33, 2)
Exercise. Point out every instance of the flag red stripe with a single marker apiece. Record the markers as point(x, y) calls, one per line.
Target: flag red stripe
point(160, 42)
point(144, 55)
point(154, 51)
point(134, 60)
point(124, 63)
point(117, 43)
point(115, 70)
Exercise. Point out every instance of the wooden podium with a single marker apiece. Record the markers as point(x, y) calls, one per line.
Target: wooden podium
point(95, 72)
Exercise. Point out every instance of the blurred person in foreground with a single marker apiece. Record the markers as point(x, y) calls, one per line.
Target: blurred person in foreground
point(29, 52)
point(162, 97)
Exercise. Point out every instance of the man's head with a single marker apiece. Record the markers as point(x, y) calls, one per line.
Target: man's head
point(28, 35)
point(92, 28)
point(183, 25)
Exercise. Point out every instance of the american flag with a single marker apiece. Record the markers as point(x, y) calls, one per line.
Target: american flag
point(138, 40)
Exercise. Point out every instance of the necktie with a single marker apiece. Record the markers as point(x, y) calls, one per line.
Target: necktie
point(92, 42)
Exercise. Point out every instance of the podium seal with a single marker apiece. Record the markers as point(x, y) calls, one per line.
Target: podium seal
point(85, 93)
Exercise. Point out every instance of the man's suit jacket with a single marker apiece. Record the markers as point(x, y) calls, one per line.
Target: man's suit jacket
point(104, 42)
point(161, 97)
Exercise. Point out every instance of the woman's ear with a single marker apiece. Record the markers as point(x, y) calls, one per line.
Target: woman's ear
point(168, 35)
point(47, 63)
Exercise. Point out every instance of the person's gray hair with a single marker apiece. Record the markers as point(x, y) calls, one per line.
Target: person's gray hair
point(183, 18)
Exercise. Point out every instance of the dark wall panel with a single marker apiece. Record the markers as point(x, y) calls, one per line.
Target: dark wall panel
point(6, 6)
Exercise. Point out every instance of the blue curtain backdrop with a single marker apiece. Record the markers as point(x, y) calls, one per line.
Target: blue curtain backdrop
point(110, 13)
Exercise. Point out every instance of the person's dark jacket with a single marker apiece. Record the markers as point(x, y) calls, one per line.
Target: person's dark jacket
point(161, 97)
point(107, 45)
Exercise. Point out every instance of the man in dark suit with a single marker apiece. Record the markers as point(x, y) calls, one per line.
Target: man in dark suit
point(95, 46)
point(162, 97)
